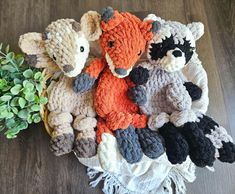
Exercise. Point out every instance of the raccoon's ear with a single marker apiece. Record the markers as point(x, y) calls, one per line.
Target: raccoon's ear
point(153, 17)
point(197, 29)
point(90, 25)
point(32, 44)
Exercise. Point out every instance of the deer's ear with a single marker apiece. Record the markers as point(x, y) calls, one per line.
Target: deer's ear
point(32, 44)
point(90, 25)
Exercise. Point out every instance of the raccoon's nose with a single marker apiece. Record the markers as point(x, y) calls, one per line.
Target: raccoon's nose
point(68, 68)
point(177, 53)
point(120, 71)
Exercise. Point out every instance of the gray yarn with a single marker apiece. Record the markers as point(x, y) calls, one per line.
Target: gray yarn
point(161, 84)
point(83, 82)
point(151, 142)
point(62, 144)
point(85, 148)
point(107, 14)
point(138, 95)
point(128, 143)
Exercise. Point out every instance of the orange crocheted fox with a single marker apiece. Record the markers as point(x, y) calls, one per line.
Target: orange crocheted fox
point(123, 40)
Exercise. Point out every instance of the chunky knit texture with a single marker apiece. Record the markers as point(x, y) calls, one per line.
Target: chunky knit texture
point(64, 47)
point(63, 104)
point(123, 40)
point(222, 141)
point(167, 95)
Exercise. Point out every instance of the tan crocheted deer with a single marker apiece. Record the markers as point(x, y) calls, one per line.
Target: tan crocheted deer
point(64, 45)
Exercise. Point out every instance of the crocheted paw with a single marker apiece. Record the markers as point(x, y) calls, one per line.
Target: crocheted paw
point(62, 144)
point(178, 97)
point(128, 144)
point(150, 142)
point(139, 75)
point(108, 154)
point(177, 148)
point(118, 120)
point(83, 82)
point(138, 95)
point(85, 148)
point(201, 149)
point(194, 91)
point(227, 152)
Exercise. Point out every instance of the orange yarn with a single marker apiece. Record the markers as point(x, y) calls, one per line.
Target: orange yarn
point(124, 38)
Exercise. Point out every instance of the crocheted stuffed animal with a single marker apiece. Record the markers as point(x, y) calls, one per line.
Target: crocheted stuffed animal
point(123, 40)
point(64, 45)
point(166, 96)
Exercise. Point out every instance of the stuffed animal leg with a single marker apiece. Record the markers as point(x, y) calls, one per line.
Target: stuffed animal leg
point(62, 137)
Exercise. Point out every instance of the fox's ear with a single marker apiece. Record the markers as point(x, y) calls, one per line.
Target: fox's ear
point(110, 18)
point(197, 29)
point(90, 25)
point(32, 44)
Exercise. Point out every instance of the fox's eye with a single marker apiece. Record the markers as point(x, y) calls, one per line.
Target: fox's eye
point(110, 43)
point(140, 53)
point(54, 57)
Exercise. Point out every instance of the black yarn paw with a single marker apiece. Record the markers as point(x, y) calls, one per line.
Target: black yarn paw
point(85, 148)
point(139, 75)
point(207, 124)
point(83, 82)
point(201, 149)
point(194, 91)
point(227, 152)
point(107, 14)
point(62, 144)
point(138, 95)
point(177, 148)
point(151, 142)
point(129, 145)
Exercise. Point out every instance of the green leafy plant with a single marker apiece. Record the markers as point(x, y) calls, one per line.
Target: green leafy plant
point(20, 93)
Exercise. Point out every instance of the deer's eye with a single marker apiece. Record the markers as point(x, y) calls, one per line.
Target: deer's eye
point(110, 44)
point(82, 49)
point(54, 57)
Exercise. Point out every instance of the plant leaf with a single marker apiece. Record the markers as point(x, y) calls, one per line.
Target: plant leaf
point(7, 48)
point(35, 107)
point(9, 68)
point(29, 97)
point(43, 100)
point(36, 118)
point(16, 89)
point(14, 110)
point(23, 114)
point(37, 75)
point(5, 98)
point(39, 88)
point(28, 73)
point(22, 102)
point(10, 56)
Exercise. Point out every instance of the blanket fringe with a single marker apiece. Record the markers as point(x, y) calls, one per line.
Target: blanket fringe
point(111, 185)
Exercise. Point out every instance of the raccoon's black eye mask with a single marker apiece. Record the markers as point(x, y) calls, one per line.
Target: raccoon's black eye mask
point(159, 50)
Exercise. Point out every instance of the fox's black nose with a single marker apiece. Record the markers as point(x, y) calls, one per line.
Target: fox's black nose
point(68, 68)
point(177, 53)
point(120, 71)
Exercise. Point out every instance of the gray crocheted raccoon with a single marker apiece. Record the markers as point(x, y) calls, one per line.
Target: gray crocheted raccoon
point(164, 94)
